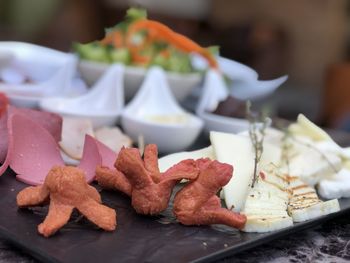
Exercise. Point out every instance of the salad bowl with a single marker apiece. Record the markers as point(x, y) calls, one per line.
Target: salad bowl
point(180, 84)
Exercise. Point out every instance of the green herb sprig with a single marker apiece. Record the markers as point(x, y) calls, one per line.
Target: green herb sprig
point(257, 127)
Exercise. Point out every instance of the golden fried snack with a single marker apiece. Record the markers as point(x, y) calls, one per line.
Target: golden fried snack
point(151, 190)
point(197, 203)
point(66, 188)
point(113, 179)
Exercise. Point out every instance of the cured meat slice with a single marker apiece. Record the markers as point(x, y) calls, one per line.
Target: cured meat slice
point(52, 122)
point(49, 121)
point(95, 154)
point(3, 137)
point(32, 151)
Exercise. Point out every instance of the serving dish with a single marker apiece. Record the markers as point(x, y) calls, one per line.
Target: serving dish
point(137, 238)
point(50, 72)
point(181, 84)
point(155, 115)
point(215, 90)
point(102, 104)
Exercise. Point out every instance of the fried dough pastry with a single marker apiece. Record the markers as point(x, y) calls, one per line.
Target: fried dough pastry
point(197, 203)
point(113, 179)
point(66, 188)
point(151, 189)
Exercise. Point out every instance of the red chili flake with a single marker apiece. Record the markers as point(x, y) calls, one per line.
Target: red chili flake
point(262, 175)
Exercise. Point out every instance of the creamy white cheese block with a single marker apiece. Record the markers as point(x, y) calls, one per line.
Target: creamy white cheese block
point(267, 201)
point(237, 150)
point(336, 186)
point(310, 163)
point(304, 203)
point(267, 224)
point(272, 136)
point(168, 161)
point(316, 210)
point(305, 127)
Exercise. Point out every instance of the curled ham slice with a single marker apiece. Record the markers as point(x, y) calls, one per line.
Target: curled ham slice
point(3, 137)
point(49, 121)
point(33, 151)
point(32, 146)
point(95, 153)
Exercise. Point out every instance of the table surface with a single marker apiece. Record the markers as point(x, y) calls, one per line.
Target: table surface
point(328, 242)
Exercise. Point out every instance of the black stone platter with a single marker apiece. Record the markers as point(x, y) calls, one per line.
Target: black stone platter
point(137, 238)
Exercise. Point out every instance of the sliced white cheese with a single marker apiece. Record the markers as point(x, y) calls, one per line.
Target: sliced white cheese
point(272, 136)
point(113, 137)
point(237, 150)
point(267, 224)
point(319, 209)
point(266, 204)
point(336, 186)
point(73, 136)
point(304, 203)
point(310, 163)
point(305, 127)
point(169, 160)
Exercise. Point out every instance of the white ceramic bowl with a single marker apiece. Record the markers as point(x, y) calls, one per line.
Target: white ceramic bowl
point(214, 122)
point(62, 107)
point(102, 104)
point(181, 85)
point(168, 137)
point(51, 71)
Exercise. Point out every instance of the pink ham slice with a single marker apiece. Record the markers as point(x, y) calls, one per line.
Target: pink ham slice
point(32, 151)
point(95, 153)
point(50, 121)
point(3, 137)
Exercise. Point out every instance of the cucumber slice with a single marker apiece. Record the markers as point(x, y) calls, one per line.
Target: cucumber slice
point(92, 51)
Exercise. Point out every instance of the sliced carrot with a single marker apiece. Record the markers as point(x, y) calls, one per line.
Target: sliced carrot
point(165, 53)
point(107, 40)
point(118, 39)
point(159, 31)
point(114, 38)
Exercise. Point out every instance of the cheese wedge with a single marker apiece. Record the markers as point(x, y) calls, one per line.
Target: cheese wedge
point(169, 160)
point(305, 127)
point(311, 164)
point(304, 203)
point(267, 201)
point(237, 150)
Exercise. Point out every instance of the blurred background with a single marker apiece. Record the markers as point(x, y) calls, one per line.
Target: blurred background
point(308, 40)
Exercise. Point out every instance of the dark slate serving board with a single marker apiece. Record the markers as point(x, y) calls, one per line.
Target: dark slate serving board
point(137, 238)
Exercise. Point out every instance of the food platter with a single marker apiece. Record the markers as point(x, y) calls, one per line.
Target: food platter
point(137, 238)
point(151, 216)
